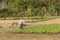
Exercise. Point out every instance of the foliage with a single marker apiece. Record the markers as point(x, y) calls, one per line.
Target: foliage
point(31, 8)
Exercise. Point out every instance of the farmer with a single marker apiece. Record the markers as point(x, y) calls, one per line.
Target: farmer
point(21, 23)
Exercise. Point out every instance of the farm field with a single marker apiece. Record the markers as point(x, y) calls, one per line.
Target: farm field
point(5, 35)
point(29, 19)
point(12, 36)
point(7, 23)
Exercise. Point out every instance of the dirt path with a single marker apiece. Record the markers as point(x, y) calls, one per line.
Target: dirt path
point(13, 36)
point(54, 21)
point(7, 23)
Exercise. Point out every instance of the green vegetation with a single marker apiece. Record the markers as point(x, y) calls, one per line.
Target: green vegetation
point(30, 18)
point(28, 8)
point(50, 28)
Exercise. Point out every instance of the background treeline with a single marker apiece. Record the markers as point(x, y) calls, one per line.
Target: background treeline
point(27, 8)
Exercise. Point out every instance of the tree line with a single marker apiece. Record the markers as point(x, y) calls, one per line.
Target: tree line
point(27, 8)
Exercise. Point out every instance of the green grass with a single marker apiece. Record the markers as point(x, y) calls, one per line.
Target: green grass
point(51, 28)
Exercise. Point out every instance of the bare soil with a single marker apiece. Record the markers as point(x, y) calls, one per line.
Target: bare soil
point(7, 23)
point(18, 36)
point(54, 21)
point(13, 36)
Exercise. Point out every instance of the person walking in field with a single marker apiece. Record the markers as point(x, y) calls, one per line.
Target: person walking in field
point(21, 23)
